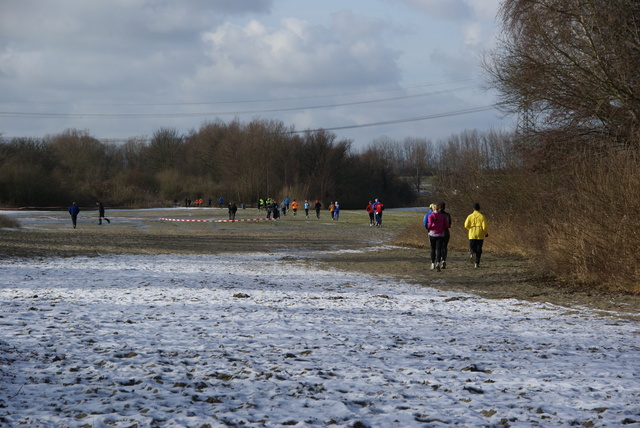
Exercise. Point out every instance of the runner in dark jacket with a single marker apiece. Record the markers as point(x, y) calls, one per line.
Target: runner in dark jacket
point(101, 213)
point(74, 209)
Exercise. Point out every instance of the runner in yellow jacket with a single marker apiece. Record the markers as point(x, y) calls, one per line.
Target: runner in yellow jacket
point(476, 224)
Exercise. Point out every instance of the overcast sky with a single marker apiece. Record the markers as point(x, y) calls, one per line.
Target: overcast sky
point(363, 68)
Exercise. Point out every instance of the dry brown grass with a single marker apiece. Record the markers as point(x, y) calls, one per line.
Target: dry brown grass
point(595, 242)
point(579, 225)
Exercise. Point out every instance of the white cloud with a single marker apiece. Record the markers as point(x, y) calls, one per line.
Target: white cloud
point(485, 10)
point(459, 31)
point(457, 10)
point(442, 9)
point(473, 35)
point(14, 63)
point(298, 53)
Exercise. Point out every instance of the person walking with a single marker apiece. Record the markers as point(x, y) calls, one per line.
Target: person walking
point(233, 208)
point(447, 236)
point(436, 224)
point(101, 213)
point(74, 210)
point(379, 207)
point(270, 207)
point(371, 213)
point(476, 224)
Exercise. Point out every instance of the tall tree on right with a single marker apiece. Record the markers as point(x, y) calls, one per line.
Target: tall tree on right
point(572, 65)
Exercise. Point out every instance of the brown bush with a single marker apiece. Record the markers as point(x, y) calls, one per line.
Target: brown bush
point(575, 219)
point(595, 240)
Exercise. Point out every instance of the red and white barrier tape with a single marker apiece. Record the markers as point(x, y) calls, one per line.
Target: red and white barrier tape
point(217, 221)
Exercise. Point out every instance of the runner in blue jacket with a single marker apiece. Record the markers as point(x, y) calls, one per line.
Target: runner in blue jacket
point(74, 209)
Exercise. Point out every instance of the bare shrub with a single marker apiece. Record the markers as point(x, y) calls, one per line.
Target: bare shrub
point(595, 239)
point(575, 216)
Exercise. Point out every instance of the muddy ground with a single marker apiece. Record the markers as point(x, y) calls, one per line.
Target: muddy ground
point(141, 232)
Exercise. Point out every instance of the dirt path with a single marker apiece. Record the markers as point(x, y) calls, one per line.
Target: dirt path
point(497, 278)
point(140, 232)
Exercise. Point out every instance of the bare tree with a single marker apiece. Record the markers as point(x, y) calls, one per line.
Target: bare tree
point(418, 160)
point(80, 162)
point(164, 150)
point(25, 173)
point(391, 151)
point(323, 160)
point(571, 64)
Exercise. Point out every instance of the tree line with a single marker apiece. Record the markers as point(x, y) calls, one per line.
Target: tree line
point(238, 161)
point(241, 162)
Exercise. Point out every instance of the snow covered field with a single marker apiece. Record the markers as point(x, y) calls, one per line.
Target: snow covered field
point(270, 340)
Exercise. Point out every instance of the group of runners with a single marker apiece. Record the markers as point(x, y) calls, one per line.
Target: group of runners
point(437, 221)
point(274, 209)
point(374, 209)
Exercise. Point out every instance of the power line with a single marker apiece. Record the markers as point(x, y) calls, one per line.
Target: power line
point(406, 120)
point(164, 104)
point(220, 113)
point(363, 125)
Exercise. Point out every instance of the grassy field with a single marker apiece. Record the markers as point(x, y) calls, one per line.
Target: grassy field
point(399, 249)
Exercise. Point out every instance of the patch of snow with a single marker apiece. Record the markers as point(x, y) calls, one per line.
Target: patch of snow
point(264, 340)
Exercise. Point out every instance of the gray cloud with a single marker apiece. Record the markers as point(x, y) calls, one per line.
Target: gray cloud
point(117, 51)
point(299, 54)
point(135, 57)
point(442, 9)
point(41, 18)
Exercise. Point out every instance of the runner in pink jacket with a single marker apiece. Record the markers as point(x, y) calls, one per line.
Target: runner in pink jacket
point(437, 223)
